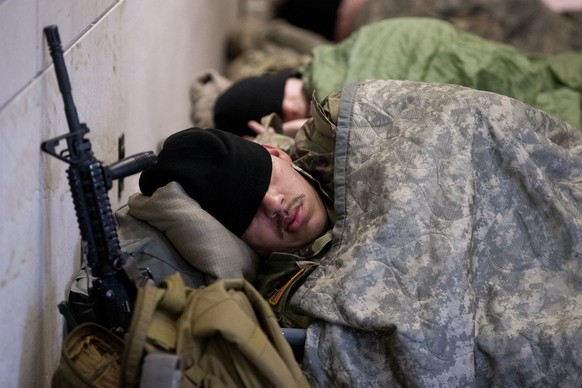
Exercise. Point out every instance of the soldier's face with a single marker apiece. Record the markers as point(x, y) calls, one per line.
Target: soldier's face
point(291, 214)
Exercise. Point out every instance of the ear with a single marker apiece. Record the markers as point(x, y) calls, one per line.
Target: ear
point(277, 152)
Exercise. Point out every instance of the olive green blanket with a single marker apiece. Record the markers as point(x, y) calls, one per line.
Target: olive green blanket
point(430, 50)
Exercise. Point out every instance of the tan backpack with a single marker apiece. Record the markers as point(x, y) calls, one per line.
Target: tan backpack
point(223, 335)
point(90, 358)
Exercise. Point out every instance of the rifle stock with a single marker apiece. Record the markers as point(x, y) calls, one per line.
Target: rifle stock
point(112, 294)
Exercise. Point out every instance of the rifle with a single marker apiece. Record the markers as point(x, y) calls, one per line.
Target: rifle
point(113, 288)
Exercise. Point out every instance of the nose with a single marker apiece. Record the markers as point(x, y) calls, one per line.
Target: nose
point(273, 204)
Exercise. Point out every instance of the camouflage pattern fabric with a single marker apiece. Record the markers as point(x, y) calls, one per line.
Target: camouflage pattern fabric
point(526, 24)
point(456, 259)
point(256, 47)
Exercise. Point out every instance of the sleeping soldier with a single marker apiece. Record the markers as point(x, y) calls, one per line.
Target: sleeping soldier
point(415, 49)
point(259, 194)
point(434, 228)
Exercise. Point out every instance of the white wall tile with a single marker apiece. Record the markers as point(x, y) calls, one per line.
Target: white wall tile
point(21, 23)
point(18, 44)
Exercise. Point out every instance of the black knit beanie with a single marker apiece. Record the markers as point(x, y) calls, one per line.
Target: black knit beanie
point(250, 99)
point(226, 174)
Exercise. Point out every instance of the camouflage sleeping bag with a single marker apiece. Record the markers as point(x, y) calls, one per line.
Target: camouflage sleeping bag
point(457, 255)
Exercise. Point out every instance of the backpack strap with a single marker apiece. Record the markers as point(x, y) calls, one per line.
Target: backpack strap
point(152, 325)
point(234, 310)
point(223, 334)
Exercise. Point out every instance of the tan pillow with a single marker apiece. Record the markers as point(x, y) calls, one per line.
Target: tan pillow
point(201, 240)
point(206, 87)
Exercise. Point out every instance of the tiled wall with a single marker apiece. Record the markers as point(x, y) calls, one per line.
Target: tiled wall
point(130, 63)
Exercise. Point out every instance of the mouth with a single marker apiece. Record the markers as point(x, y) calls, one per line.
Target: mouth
point(293, 221)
